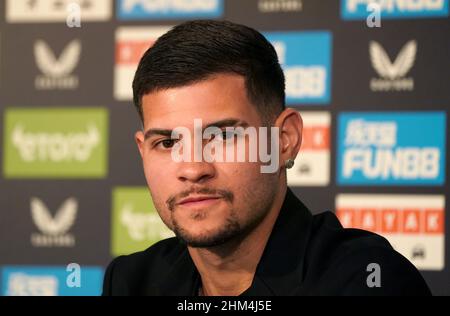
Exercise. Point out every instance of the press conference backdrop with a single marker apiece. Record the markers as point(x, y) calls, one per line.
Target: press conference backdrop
point(374, 100)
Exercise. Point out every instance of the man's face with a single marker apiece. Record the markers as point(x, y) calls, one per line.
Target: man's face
point(238, 195)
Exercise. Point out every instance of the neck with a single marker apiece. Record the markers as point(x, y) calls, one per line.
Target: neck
point(228, 269)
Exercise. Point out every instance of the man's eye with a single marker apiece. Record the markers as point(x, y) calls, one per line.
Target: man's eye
point(166, 143)
point(226, 135)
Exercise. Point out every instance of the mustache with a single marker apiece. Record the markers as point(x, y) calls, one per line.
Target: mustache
point(173, 200)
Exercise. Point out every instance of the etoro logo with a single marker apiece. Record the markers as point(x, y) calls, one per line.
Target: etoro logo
point(136, 224)
point(57, 71)
point(308, 75)
point(168, 9)
point(383, 148)
point(54, 229)
point(393, 73)
point(141, 225)
point(395, 9)
point(55, 142)
point(78, 145)
point(413, 224)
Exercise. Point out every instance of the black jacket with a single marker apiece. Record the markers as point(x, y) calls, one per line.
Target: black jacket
point(305, 255)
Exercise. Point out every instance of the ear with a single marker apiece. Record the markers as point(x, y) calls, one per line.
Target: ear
point(290, 125)
point(139, 138)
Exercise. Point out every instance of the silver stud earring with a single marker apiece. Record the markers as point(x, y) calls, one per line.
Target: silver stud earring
point(289, 163)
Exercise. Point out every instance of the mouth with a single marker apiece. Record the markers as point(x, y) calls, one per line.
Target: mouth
point(199, 201)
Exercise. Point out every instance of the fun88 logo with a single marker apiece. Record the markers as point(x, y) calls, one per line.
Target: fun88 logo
point(395, 9)
point(384, 148)
point(306, 61)
point(168, 9)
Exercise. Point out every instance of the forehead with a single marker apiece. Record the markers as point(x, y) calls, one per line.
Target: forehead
point(219, 97)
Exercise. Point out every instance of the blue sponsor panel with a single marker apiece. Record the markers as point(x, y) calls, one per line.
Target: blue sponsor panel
point(306, 61)
point(50, 281)
point(391, 148)
point(168, 9)
point(395, 9)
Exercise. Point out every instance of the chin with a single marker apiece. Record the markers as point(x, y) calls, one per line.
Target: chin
point(202, 237)
point(204, 241)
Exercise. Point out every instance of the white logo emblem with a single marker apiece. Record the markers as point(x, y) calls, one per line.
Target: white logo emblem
point(393, 73)
point(54, 229)
point(57, 71)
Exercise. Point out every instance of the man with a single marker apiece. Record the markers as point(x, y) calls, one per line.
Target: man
point(239, 231)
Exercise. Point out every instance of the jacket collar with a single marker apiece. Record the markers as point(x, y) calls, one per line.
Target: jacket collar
point(280, 270)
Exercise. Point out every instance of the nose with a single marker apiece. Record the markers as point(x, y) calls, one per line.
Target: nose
point(195, 172)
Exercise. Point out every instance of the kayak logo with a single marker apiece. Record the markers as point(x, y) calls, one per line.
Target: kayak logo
point(25, 11)
point(57, 72)
point(312, 164)
point(55, 142)
point(392, 73)
point(413, 224)
point(168, 9)
point(308, 76)
point(50, 281)
point(391, 148)
point(395, 9)
point(136, 224)
point(53, 230)
point(55, 147)
point(131, 44)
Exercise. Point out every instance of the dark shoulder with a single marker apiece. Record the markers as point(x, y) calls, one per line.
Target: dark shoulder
point(328, 235)
point(126, 272)
point(342, 261)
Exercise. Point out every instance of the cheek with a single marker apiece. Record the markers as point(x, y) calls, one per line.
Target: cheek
point(250, 177)
point(158, 181)
point(153, 170)
point(159, 197)
point(240, 178)
point(243, 172)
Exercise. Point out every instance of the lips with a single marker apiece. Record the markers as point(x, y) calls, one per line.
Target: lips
point(196, 199)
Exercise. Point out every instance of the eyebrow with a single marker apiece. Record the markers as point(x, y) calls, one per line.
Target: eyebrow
point(228, 122)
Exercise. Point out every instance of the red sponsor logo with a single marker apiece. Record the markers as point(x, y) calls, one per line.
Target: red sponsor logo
point(130, 52)
point(316, 138)
point(391, 220)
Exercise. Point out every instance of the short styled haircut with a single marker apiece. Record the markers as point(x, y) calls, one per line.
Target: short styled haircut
point(197, 50)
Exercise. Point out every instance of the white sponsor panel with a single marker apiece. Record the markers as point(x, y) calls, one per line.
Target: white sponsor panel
point(413, 224)
point(312, 164)
point(23, 11)
point(131, 44)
